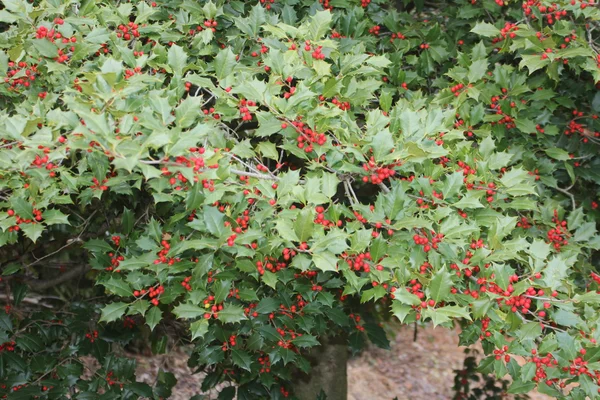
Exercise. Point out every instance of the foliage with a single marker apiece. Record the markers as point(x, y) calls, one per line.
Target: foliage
point(258, 175)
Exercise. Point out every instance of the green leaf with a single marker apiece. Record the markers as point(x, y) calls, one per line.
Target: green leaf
point(477, 70)
point(32, 231)
point(214, 220)
point(242, 359)
point(114, 311)
point(325, 261)
point(267, 305)
point(186, 310)
point(319, 25)
point(177, 59)
point(55, 217)
point(304, 225)
point(153, 317)
point(440, 285)
point(224, 63)
point(485, 29)
point(557, 154)
point(529, 331)
point(555, 272)
point(533, 62)
point(305, 340)
point(97, 246)
point(231, 314)
point(199, 328)
point(22, 208)
point(118, 286)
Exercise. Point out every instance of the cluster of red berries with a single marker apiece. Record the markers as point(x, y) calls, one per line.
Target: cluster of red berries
point(97, 185)
point(271, 264)
point(359, 262)
point(289, 93)
point(535, 174)
point(116, 240)
point(524, 223)
point(128, 31)
point(377, 174)
point(214, 309)
point(456, 89)
point(485, 324)
point(326, 4)
point(231, 342)
point(545, 54)
point(307, 137)
point(211, 111)
point(398, 36)
point(466, 170)
point(7, 346)
point(288, 254)
point(550, 13)
point(424, 46)
point(265, 364)
point(415, 288)
point(92, 336)
point(541, 363)
point(162, 254)
point(128, 323)
point(186, 283)
point(501, 353)
point(426, 242)
point(336, 35)
point(559, 234)
point(579, 366)
point(244, 111)
point(321, 220)
point(248, 310)
point(317, 52)
point(595, 277)
point(110, 381)
point(20, 74)
point(115, 261)
point(342, 105)
point(508, 31)
point(234, 293)
point(211, 24)
point(374, 30)
point(155, 293)
point(40, 162)
point(267, 3)
point(357, 319)
point(131, 72)
point(263, 49)
point(37, 217)
point(287, 337)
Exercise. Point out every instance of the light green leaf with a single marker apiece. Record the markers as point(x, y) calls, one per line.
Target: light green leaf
point(112, 312)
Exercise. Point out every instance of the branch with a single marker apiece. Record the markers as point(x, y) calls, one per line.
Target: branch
point(568, 194)
point(254, 175)
point(43, 284)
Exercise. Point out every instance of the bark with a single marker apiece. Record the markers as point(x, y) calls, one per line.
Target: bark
point(328, 372)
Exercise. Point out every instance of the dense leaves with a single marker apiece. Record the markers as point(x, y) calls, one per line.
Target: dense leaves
point(260, 175)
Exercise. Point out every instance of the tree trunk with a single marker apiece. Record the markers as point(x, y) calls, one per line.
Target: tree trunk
point(328, 372)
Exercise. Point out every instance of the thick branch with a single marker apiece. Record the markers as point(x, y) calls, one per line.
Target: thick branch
point(43, 284)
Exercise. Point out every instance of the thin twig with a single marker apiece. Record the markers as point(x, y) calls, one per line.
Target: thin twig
point(565, 191)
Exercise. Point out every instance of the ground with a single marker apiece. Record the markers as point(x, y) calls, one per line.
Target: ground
point(411, 370)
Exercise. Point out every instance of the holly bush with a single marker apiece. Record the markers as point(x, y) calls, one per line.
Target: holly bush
point(259, 176)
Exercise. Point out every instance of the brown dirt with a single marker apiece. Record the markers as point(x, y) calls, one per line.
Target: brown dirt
point(411, 370)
